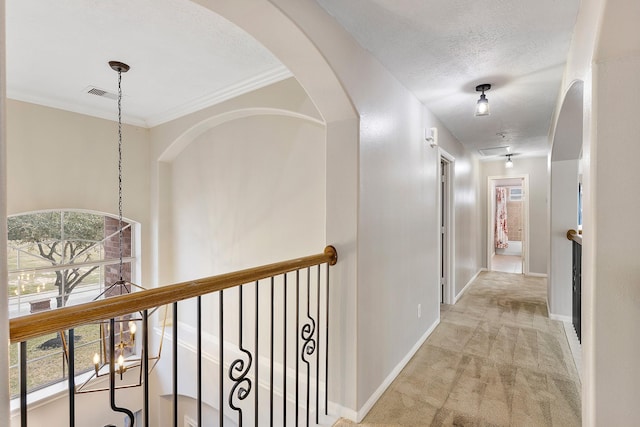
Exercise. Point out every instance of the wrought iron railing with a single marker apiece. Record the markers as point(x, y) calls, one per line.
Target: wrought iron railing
point(576, 280)
point(273, 318)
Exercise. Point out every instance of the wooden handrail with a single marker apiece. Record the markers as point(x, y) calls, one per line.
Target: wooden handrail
point(38, 324)
point(575, 236)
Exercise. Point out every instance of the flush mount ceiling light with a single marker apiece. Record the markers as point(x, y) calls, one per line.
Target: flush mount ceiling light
point(482, 107)
point(509, 163)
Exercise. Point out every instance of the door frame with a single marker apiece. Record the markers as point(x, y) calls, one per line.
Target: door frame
point(491, 218)
point(449, 295)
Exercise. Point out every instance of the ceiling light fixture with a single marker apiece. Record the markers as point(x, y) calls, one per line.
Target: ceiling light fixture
point(482, 107)
point(509, 163)
point(126, 354)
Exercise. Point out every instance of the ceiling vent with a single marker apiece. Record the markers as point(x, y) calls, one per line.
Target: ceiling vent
point(92, 90)
point(494, 151)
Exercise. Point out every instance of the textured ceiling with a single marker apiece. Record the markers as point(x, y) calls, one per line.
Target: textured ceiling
point(183, 57)
point(441, 50)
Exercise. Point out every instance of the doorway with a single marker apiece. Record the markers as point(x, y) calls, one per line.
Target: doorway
point(445, 226)
point(508, 224)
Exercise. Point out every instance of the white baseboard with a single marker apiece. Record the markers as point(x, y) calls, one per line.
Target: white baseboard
point(342, 412)
point(560, 317)
point(536, 274)
point(392, 376)
point(475, 276)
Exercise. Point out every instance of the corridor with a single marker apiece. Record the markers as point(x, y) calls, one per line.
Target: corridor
point(496, 359)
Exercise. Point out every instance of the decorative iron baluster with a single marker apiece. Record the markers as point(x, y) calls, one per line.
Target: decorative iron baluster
point(145, 364)
point(175, 364)
point(256, 394)
point(297, 410)
point(326, 349)
point(23, 384)
point(221, 350)
point(318, 352)
point(238, 372)
point(199, 359)
point(307, 334)
point(271, 361)
point(284, 356)
point(112, 374)
point(71, 380)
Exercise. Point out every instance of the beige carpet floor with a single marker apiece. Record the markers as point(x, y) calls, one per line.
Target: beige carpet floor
point(495, 359)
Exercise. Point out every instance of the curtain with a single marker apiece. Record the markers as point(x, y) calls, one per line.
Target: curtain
point(502, 233)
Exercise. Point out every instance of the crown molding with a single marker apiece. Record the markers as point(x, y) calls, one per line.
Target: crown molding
point(73, 108)
point(253, 83)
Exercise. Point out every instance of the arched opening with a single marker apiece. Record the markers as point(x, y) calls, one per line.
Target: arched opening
point(565, 178)
point(279, 33)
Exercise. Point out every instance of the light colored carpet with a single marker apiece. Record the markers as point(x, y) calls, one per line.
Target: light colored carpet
point(496, 359)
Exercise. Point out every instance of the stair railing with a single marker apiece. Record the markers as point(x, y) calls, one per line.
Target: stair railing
point(297, 286)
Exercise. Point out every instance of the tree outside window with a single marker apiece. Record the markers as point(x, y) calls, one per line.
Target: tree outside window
point(55, 259)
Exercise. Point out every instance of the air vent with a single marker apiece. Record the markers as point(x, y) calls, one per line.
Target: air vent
point(494, 151)
point(99, 92)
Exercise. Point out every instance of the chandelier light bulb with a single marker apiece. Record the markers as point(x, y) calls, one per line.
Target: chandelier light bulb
point(132, 330)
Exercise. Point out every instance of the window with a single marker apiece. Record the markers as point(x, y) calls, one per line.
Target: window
point(515, 194)
point(56, 259)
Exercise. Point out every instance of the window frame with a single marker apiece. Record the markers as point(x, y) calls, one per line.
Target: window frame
point(51, 388)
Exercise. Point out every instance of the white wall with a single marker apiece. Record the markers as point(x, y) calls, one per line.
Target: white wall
point(536, 168)
point(564, 216)
point(613, 220)
point(616, 268)
point(605, 55)
point(466, 206)
point(246, 193)
point(238, 185)
point(397, 219)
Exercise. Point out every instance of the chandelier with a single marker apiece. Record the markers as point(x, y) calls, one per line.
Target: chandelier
point(120, 350)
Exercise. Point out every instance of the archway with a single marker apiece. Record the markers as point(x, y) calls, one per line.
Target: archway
point(278, 31)
point(564, 204)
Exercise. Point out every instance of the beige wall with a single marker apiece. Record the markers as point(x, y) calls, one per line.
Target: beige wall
point(246, 193)
point(63, 160)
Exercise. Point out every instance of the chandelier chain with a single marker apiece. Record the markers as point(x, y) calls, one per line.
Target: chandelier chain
point(120, 236)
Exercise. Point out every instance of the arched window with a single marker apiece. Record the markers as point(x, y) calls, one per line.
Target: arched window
point(60, 258)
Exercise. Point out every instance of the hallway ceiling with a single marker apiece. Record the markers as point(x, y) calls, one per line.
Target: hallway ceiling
point(184, 57)
point(441, 50)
